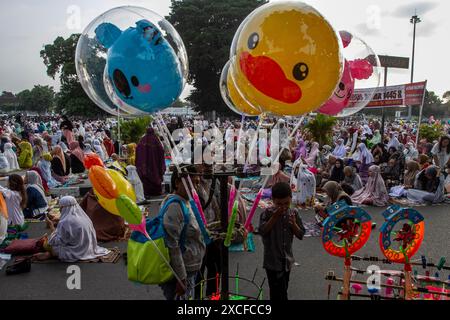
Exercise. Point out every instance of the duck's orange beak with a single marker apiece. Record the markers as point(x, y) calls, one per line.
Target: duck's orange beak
point(266, 75)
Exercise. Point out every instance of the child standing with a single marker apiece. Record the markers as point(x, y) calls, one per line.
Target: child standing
point(277, 226)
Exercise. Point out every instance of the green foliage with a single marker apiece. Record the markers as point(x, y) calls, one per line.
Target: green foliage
point(431, 132)
point(431, 98)
point(207, 29)
point(59, 58)
point(39, 99)
point(131, 131)
point(321, 129)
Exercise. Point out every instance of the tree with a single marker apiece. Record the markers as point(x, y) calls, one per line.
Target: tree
point(39, 99)
point(431, 99)
point(131, 131)
point(207, 29)
point(321, 129)
point(59, 58)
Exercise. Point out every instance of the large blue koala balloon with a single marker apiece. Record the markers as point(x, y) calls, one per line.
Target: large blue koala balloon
point(141, 65)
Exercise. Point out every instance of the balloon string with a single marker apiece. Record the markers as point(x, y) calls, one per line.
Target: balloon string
point(266, 179)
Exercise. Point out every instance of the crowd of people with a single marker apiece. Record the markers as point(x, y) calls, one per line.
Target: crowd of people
point(360, 167)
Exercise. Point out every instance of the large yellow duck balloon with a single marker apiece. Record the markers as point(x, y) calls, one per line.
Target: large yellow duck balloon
point(286, 59)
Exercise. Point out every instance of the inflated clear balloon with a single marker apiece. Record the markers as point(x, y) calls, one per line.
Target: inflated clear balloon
point(361, 78)
point(132, 58)
point(286, 58)
point(232, 97)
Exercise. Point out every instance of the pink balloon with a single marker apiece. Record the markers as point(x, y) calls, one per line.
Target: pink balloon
point(342, 94)
point(361, 69)
point(140, 227)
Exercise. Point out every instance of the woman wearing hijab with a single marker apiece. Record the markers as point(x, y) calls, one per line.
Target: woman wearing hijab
point(46, 172)
point(300, 151)
point(4, 164)
point(337, 172)
point(428, 187)
point(107, 142)
point(60, 165)
point(375, 140)
point(25, 158)
point(379, 151)
point(335, 193)
point(37, 204)
point(313, 158)
point(364, 160)
point(38, 150)
point(374, 193)
point(4, 140)
point(44, 182)
point(150, 163)
point(98, 149)
point(76, 158)
point(340, 151)
point(412, 169)
point(74, 238)
point(108, 227)
point(410, 152)
point(67, 127)
point(11, 157)
point(133, 178)
point(352, 178)
point(393, 141)
point(16, 200)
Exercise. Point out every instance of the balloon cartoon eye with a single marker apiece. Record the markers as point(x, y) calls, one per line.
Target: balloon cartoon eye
point(135, 81)
point(121, 83)
point(341, 86)
point(253, 41)
point(301, 71)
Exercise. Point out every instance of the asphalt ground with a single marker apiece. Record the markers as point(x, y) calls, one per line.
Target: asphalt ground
point(109, 281)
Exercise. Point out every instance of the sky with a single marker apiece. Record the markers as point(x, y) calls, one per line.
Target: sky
point(27, 25)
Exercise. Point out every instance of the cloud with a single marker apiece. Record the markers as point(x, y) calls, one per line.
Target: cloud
point(364, 30)
point(421, 7)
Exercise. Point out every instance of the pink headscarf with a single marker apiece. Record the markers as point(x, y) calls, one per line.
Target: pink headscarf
point(311, 160)
point(74, 147)
point(374, 192)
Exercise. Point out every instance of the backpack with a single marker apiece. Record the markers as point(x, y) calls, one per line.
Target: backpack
point(145, 264)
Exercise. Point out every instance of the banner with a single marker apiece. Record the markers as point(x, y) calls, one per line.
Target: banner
point(410, 94)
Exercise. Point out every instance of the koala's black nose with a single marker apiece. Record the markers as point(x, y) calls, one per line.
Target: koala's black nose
point(121, 83)
point(341, 86)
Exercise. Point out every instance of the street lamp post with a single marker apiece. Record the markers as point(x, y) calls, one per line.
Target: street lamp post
point(414, 20)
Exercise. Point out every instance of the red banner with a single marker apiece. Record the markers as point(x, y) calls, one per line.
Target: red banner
point(411, 94)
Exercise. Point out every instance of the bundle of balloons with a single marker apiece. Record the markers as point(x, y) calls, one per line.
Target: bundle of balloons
point(115, 194)
point(287, 60)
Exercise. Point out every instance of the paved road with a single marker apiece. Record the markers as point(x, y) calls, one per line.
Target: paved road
point(109, 281)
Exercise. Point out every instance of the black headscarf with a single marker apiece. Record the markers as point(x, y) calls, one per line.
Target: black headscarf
point(337, 174)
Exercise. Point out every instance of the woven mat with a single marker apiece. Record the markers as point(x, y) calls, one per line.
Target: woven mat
point(112, 257)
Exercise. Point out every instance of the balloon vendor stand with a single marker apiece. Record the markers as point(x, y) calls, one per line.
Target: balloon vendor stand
point(221, 174)
point(347, 230)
